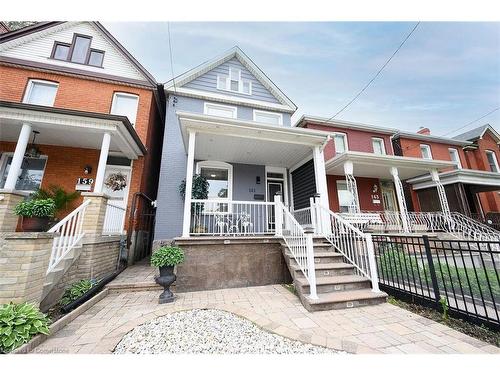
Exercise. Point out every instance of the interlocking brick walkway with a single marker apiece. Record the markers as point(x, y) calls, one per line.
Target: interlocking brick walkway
point(382, 328)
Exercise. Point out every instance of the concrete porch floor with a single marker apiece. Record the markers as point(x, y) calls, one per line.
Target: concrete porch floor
point(382, 328)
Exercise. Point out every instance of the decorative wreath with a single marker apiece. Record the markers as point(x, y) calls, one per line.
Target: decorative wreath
point(116, 181)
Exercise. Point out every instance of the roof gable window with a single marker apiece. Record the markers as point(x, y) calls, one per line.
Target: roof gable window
point(79, 51)
point(233, 82)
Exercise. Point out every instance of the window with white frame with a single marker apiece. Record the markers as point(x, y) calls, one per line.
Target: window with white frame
point(378, 146)
point(219, 110)
point(268, 117)
point(219, 176)
point(346, 199)
point(31, 175)
point(125, 104)
point(233, 82)
point(455, 157)
point(40, 92)
point(340, 142)
point(492, 161)
point(426, 151)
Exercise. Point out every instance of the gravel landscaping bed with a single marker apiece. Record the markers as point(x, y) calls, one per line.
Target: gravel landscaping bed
point(209, 331)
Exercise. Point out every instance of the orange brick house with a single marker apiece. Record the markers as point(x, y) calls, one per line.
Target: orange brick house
point(77, 110)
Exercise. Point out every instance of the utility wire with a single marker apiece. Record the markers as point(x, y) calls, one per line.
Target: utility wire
point(472, 122)
point(376, 75)
point(171, 57)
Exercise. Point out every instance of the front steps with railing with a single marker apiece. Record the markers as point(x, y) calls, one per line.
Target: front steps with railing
point(337, 284)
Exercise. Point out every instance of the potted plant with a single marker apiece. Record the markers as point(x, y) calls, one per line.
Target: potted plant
point(166, 258)
point(61, 197)
point(36, 214)
point(199, 191)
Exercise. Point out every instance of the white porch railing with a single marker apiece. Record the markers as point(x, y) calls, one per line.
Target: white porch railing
point(220, 217)
point(298, 242)
point(303, 216)
point(114, 219)
point(70, 231)
point(351, 242)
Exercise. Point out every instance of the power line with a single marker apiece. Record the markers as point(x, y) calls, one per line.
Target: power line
point(171, 57)
point(376, 75)
point(470, 123)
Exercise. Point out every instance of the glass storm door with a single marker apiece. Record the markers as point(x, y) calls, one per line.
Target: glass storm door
point(273, 187)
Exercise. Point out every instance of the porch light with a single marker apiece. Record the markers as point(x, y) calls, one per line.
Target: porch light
point(33, 151)
point(87, 169)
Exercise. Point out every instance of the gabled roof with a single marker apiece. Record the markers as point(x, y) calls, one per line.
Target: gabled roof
point(237, 53)
point(477, 133)
point(6, 37)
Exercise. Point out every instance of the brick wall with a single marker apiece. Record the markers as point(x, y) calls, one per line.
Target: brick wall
point(365, 191)
point(411, 148)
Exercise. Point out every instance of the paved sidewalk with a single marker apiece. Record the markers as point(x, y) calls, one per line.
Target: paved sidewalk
point(382, 328)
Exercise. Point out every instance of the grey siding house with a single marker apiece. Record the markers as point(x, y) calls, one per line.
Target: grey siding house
point(235, 124)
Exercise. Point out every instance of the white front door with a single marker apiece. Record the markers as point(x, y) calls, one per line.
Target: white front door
point(116, 186)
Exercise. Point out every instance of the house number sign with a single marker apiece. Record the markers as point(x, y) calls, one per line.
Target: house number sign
point(84, 184)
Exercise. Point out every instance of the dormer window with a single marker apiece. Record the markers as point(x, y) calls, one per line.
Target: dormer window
point(78, 51)
point(233, 82)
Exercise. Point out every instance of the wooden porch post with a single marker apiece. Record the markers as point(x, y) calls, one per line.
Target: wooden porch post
point(186, 223)
point(103, 159)
point(17, 159)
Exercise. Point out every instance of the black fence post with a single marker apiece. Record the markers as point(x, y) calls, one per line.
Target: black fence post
point(432, 270)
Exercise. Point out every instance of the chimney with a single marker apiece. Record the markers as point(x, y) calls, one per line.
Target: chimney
point(425, 131)
point(3, 28)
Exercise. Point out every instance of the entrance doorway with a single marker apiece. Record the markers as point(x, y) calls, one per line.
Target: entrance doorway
point(388, 196)
point(273, 187)
point(116, 186)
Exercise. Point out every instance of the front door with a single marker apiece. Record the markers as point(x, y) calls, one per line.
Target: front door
point(273, 187)
point(116, 186)
point(388, 196)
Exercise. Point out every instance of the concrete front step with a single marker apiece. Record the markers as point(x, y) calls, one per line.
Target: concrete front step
point(343, 300)
point(326, 269)
point(331, 284)
point(322, 256)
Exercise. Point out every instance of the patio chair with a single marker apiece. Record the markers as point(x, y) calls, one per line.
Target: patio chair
point(221, 224)
point(246, 223)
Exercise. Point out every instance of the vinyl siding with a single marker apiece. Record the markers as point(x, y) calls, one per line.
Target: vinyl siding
point(37, 47)
point(304, 185)
point(208, 82)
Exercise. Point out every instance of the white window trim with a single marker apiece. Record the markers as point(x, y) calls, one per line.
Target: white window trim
point(346, 143)
point(240, 83)
point(422, 145)
point(455, 151)
point(232, 108)
point(3, 165)
point(29, 88)
point(219, 165)
point(279, 115)
point(495, 160)
point(382, 141)
point(130, 96)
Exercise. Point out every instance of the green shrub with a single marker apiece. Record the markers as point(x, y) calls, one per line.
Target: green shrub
point(76, 290)
point(19, 323)
point(167, 256)
point(61, 197)
point(36, 208)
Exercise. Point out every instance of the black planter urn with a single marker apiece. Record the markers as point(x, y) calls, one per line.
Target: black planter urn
point(166, 278)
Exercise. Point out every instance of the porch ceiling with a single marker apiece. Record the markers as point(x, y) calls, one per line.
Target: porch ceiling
point(67, 128)
point(488, 180)
point(379, 166)
point(247, 142)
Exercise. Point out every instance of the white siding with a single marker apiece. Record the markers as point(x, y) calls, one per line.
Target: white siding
point(37, 47)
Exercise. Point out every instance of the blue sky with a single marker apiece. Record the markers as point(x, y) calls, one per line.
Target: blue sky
point(446, 75)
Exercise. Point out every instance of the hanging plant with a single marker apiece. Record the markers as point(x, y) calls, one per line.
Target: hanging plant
point(116, 181)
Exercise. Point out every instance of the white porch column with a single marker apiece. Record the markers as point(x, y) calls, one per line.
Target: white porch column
point(17, 159)
point(103, 159)
point(189, 184)
point(321, 189)
point(352, 186)
point(441, 193)
point(401, 200)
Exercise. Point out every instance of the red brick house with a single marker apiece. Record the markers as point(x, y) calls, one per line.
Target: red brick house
point(88, 107)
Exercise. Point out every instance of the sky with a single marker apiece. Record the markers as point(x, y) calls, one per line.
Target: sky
point(446, 75)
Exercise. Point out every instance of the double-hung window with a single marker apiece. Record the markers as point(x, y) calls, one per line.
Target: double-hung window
point(220, 110)
point(492, 161)
point(455, 157)
point(219, 176)
point(426, 151)
point(268, 117)
point(340, 142)
point(31, 175)
point(378, 146)
point(40, 92)
point(233, 82)
point(125, 104)
point(346, 199)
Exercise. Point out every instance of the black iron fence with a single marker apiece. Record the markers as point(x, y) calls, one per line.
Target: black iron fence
point(140, 232)
point(464, 274)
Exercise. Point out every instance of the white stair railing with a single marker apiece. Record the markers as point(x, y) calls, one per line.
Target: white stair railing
point(70, 231)
point(352, 243)
point(298, 241)
point(114, 219)
point(469, 228)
